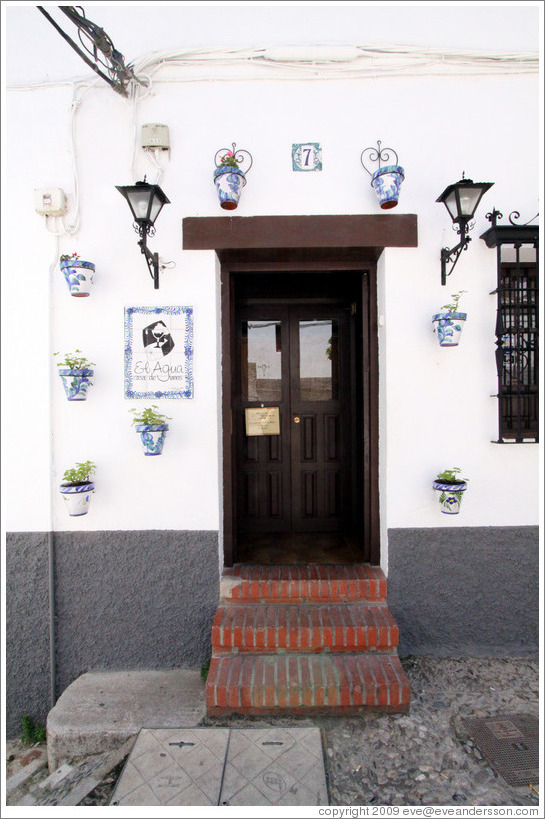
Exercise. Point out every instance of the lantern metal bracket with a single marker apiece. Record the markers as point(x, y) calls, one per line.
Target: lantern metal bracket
point(453, 254)
point(152, 259)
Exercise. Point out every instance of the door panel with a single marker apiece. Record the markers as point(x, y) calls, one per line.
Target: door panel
point(297, 359)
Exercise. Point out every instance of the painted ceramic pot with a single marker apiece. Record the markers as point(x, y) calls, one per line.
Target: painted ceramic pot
point(449, 328)
point(387, 182)
point(77, 498)
point(152, 437)
point(229, 183)
point(75, 382)
point(79, 276)
point(450, 497)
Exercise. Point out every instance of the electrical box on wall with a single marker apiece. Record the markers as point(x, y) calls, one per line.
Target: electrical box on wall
point(155, 136)
point(50, 201)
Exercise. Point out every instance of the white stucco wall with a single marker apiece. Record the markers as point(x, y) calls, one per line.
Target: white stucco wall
point(436, 409)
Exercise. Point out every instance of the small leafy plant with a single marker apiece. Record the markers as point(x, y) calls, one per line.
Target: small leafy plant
point(228, 159)
point(32, 733)
point(69, 258)
point(452, 307)
point(451, 476)
point(205, 668)
point(79, 474)
point(75, 361)
point(149, 416)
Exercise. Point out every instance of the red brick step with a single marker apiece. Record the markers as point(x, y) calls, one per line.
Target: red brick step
point(305, 683)
point(303, 583)
point(312, 627)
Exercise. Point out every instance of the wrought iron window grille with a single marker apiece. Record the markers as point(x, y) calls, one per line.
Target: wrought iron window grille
point(517, 327)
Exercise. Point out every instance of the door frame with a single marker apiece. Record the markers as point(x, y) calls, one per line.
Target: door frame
point(336, 241)
point(337, 262)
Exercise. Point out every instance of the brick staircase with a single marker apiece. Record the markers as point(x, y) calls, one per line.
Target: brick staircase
point(304, 638)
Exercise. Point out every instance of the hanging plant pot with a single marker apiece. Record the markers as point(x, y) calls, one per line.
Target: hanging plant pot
point(450, 496)
point(229, 176)
point(450, 485)
point(387, 182)
point(77, 497)
point(152, 437)
point(449, 328)
point(229, 183)
point(387, 179)
point(78, 275)
point(75, 382)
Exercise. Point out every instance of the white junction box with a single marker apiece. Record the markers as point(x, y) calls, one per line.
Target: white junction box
point(50, 201)
point(155, 135)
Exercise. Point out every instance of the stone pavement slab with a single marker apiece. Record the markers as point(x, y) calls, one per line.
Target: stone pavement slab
point(224, 766)
point(100, 711)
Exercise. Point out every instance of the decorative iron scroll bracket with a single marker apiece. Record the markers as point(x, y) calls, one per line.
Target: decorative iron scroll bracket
point(513, 233)
point(374, 155)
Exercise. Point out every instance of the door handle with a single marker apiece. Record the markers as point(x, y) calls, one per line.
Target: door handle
point(296, 419)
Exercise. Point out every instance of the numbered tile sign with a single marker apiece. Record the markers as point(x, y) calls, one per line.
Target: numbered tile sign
point(306, 156)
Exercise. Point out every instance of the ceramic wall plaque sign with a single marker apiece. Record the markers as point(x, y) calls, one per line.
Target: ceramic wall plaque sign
point(306, 156)
point(158, 352)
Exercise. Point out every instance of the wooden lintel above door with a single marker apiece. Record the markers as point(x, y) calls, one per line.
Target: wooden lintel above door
point(284, 232)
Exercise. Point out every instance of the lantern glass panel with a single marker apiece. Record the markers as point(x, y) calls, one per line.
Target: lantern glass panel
point(451, 204)
point(139, 200)
point(469, 199)
point(156, 206)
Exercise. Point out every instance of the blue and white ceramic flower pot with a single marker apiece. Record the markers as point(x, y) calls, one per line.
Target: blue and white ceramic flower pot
point(450, 498)
point(387, 182)
point(75, 382)
point(152, 437)
point(449, 328)
point(229, 183)
point(79, 276)
point(77, 498)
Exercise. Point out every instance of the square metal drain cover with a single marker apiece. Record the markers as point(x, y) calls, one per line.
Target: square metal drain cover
point(510, 743)
point(224, 766)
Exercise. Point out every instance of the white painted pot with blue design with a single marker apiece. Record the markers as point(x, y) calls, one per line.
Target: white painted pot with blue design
point(229, 183)
point(77, 497)
point(449, 328)
point(152, 437)
point(450, 497)
point(387, 182)
point(75, 382)
point(79, 276)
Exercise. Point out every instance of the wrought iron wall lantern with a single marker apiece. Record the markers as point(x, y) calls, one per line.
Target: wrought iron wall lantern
point(461, 200)
point(145, 202)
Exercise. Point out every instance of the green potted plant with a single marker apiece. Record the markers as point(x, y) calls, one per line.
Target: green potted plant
point(78, 274)
point(450, 485)
point(75, 372)
point(152, 428)
point(450, 323)
point(77, 488)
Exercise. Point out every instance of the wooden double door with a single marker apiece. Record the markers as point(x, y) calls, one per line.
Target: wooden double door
point(294, 417)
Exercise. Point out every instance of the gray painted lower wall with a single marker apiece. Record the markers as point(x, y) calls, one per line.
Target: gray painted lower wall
point(465, 591)
point(131, 600)
point(124, 600)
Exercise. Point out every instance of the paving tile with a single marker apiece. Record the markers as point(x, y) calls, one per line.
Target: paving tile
point(224, 766)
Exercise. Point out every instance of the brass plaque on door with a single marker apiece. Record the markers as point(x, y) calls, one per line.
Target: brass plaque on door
point(262, 421)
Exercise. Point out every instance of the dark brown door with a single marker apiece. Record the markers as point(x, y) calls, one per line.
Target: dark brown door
point(295, 362)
